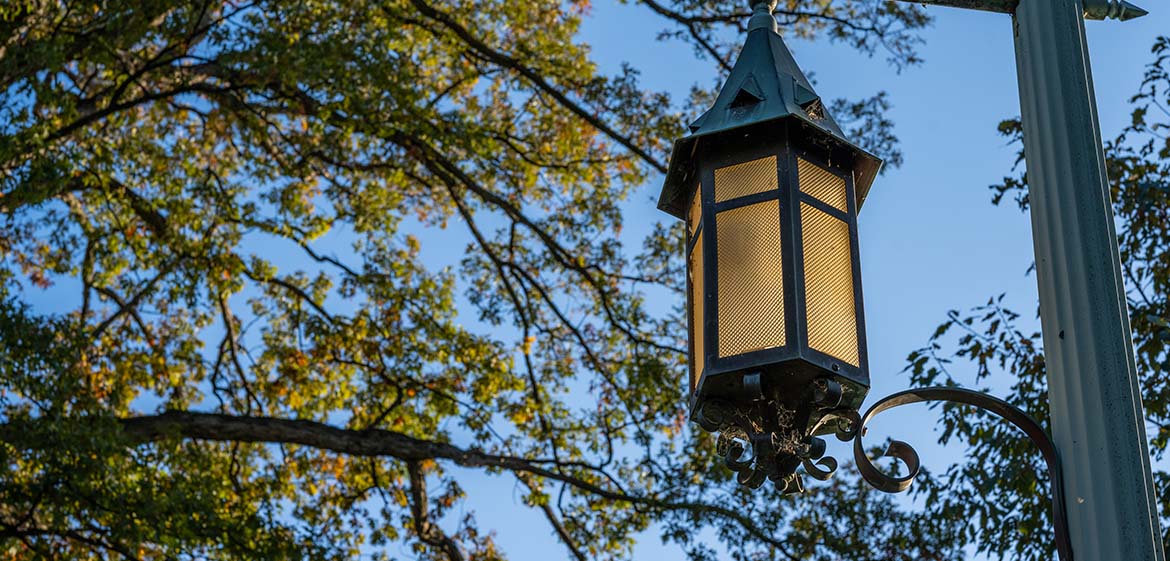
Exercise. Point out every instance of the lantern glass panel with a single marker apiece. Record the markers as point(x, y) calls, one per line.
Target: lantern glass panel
point(828, 279)
point(748, 178)
point(822, 185)
point(750, 278)
point(695, 268)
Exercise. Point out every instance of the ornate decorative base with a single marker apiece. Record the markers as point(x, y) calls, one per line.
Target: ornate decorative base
point(770, 438)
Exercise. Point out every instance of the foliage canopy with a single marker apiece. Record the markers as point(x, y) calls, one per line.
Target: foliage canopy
point(251, 357)
point(248, 355)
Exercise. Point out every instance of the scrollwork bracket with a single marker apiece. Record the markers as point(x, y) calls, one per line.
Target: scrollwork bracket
point(998, 407)
point(771, 440)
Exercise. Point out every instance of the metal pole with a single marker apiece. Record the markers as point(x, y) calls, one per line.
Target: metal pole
point(1097, 419)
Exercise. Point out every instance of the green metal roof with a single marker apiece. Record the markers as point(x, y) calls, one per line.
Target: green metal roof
point(765, 85)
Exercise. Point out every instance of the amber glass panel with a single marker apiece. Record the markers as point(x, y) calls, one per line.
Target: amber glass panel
point(695, 268)
point(751, 280)
point(694, 215)
point(748, 178)
point(822, 185)
point(828, 285)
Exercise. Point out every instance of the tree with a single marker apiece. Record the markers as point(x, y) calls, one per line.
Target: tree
point(253, 360)
point(997, 485)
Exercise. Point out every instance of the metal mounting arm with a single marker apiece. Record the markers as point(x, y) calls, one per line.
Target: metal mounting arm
point(904, 452)
point(764, 440)
point(1094, 9)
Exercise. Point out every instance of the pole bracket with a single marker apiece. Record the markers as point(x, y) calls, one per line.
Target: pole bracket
point(762, 440)
point(1094, 9)
point(906, 453)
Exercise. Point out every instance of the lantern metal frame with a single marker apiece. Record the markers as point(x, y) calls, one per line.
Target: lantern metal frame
point(745, 146)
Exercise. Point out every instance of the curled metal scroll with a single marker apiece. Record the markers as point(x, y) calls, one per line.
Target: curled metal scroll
point(904, 452)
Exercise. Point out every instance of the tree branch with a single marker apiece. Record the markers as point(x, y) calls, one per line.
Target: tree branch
point(497, 57)
point(372, 443)
point(427, 531)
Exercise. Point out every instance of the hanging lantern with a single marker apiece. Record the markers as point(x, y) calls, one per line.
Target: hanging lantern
point(769, 187)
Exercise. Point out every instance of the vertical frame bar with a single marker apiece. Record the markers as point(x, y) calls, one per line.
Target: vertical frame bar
point(859, 302)
point(694, 331)
point(860, 373)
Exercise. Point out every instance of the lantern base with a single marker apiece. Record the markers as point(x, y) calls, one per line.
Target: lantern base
point(777, 429)
point(783, 375)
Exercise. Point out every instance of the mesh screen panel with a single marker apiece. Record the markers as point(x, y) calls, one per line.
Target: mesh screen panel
point(822, 185)
point(828, 285)
point(751, 281)
point(694, 215)
point(744, 179)
point(695, 268)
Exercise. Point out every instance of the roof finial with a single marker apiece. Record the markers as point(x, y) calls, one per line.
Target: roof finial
point(1112, 9)
point(762, 15)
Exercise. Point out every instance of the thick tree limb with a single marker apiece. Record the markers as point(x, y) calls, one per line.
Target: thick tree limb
point(378, 442)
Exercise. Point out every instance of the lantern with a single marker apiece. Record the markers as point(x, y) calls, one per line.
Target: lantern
point(769, 187)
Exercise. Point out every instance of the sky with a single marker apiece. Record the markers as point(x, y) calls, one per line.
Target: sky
point(930, 238)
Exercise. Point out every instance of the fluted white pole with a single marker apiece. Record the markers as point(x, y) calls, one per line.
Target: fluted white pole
point(1097, 419)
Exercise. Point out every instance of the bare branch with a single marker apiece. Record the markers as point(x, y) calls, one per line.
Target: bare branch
point(497, 57)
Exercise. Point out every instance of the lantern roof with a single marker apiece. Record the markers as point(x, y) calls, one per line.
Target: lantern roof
point(765, 85)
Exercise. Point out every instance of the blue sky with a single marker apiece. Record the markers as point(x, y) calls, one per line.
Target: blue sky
point(930, 238)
